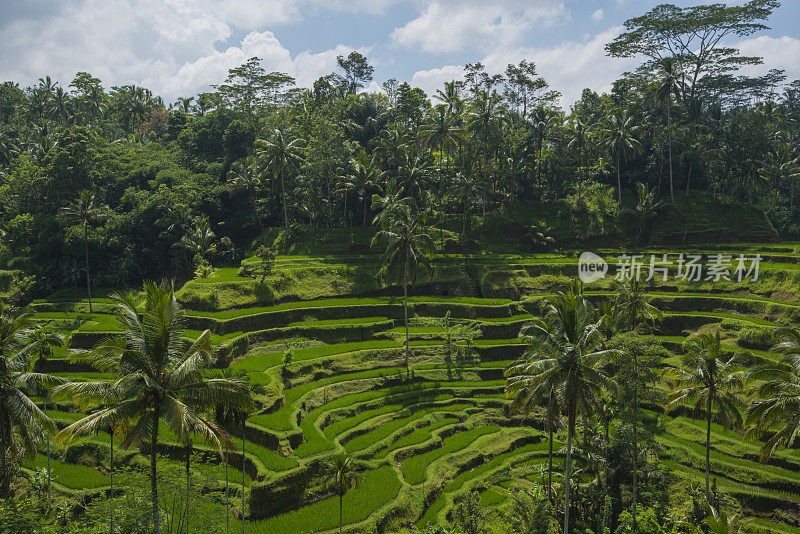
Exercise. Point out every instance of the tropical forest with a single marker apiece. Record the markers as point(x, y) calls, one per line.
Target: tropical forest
point(357, 306)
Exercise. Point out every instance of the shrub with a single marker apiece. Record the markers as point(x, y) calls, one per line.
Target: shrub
point(756, 338)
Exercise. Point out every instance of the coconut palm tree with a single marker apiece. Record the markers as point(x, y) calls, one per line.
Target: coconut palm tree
point(278, 154)
point(667, 86)
point(777, 407)
point(366, 177)
point(340, 475)
point(41, 342)
point(564, 352)
point(442, 132)
point(201, 240)
point(578, 138)
point(85, 211)
point(21, 421)
point(159, 377)
point(779, 167)
point(467, 186)
point(245, 176)
point(710, 381)
point(450, 96)
point(406, 252)
point(646, 207)
point(620, 139)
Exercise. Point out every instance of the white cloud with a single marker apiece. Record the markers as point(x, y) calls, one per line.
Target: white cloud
point(598, 15)
point(165, 45)
point(778, 52)
point(433, 79)
point(446, 26)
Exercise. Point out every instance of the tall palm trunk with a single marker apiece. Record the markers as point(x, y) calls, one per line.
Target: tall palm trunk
point(227, 494)
point(153, 474)
point(255, 210)
point(619, 180)
point(111, 519)
point(550, 462)
point(86, 262)
point(5, 442)
point(635, 449)
point(244, 433)
point(44, 402)
point(405, 309)
point(669, 143)
point(708, 446)
point(285, 211)
point(568, 467)
point(341, 498)
point(188, 479)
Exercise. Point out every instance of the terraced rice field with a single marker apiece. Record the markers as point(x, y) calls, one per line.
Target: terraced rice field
point(422, 445)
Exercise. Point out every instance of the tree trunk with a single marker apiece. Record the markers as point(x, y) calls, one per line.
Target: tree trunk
point(227, 494)
point(44, 402)
point(112, 478)
point(86, 262)
point(5, 475)
point(341, 498)
point(188, 478)
point(568, 467)
point(619, 182)
point(635, 447)
point(244, 433)
point(285, 212)
point(550, 462)
point(708, 447)
point(669, 143)
point(153, 474)
point(405, 309)
point(255, 210)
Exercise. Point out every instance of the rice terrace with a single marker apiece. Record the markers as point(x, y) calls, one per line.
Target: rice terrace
point(270, 294)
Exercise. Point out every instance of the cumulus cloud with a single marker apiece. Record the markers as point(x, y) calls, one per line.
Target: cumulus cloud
point(598, 15)
point(447, 26)
point(778, 52)
point(169, 47)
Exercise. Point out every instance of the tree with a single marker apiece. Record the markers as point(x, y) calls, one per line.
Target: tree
point(158, 378)
point(85, 211)
point(340, 475)
point(21, 421)
point(777, 389)
point(443, 133)
point(278, 154)
point(246, 176)
point(710, 381)
point(467, 186)
point(201, 240)
point(646, 208)
point(41, 342)
point(579, 135)
point(620, 139)
point(366, 176)
point(779, 167)
point(695, 37)
point(357, 71)
point(564, 352)
point(406, 252)
point(667, 85)
point(266, 262)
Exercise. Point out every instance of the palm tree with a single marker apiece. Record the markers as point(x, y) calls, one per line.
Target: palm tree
point(406, 251)
point(85, 211)
point(201, 239)
point(41, 342)
point(620, 139)
point(564, 352)
point(340, 475)
point(159, 378)
point(467, 186)
point(366, 177)
point(450, 96)
point(245, 176)
point(21, 421)
point(579, 136)
point(710, 381)
point(279, 154)
point(482, 124)
point(646, 207)
point(778, 406)
point(344, 184)
point(442, 132)
point(779, 167)
point(668, 85)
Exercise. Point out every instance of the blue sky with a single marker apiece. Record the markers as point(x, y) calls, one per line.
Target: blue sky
point(179, 47)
